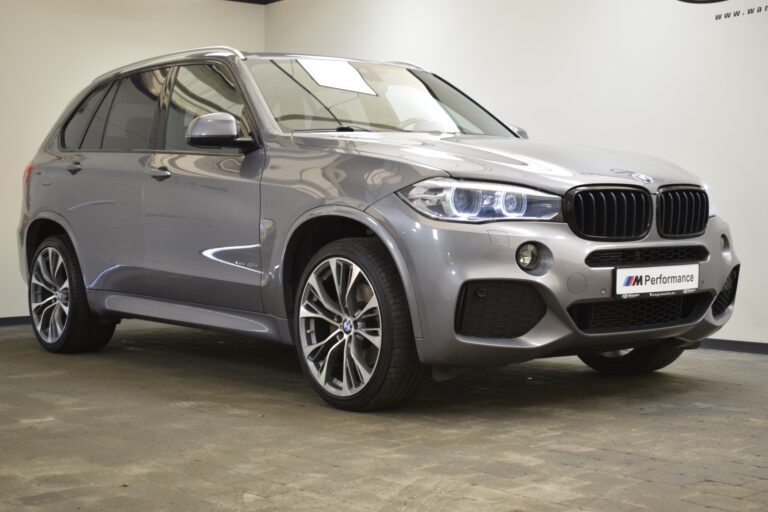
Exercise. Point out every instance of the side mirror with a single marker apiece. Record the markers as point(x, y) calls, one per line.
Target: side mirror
point(520, 132)
point(216, 130)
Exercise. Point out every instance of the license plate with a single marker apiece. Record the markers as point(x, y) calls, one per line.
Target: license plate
point(656, 281)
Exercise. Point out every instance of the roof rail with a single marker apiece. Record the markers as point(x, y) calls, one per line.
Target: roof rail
point(404, 63)
point(163, 58)
point(235, 51)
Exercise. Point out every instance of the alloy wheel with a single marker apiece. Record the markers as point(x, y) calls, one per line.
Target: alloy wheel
point(49, 295)
point(340, 326)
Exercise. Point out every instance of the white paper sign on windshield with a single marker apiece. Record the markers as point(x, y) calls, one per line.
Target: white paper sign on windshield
point(337, 74)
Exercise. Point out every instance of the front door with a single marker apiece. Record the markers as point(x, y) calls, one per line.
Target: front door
point(201, 206)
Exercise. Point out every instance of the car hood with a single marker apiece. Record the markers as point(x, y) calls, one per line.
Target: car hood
point(551, 167)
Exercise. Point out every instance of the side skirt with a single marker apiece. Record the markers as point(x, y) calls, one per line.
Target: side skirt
point(259, 325)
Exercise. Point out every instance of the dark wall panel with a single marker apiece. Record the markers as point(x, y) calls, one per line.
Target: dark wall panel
point(260, 2)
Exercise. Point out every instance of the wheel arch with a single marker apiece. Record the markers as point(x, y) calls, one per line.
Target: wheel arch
point(311, 231)
point(44, 225)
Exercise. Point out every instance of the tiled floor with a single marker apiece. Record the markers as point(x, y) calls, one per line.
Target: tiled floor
point(168, 418)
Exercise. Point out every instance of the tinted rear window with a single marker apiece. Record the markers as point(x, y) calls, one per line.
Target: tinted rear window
point(78, 123)
point(134, 111)
point(95, 132)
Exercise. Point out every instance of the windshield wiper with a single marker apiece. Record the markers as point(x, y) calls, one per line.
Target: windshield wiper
point(340, 128)
point(352, 128)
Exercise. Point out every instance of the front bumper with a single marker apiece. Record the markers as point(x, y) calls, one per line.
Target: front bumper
point(442, 256)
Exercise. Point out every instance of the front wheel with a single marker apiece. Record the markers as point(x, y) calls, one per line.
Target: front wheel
point(353, 327)
point(633, 361)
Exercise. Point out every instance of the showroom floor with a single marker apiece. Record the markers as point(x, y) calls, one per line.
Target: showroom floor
point(169, 418)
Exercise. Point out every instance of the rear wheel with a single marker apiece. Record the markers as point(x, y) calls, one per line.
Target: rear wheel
point(61, 318)
point(353, 327)
point(633, 361)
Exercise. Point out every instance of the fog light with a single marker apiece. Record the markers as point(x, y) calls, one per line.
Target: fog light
point(528, 256)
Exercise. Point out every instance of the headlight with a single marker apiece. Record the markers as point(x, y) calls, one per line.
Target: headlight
point(472, 201)
point(709, 200)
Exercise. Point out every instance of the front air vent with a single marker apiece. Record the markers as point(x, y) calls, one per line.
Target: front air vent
point(727, 295)
point(683, 211)
point(609, 213)
point(647, 256)
point(620, 315)
point(498, 309)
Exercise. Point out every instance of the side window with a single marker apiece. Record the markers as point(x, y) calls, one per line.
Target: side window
point(78, 122)
point(95, 132)
point(134, 111)
point(198, 90)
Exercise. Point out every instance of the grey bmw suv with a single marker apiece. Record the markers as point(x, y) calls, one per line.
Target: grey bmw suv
point(369, 213)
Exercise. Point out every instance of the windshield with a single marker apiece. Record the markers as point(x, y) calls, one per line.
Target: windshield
point(332, 94)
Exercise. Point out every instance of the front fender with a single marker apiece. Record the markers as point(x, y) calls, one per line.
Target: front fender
point(275, 273)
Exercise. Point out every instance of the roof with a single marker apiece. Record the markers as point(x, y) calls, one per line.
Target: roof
point(223, 51)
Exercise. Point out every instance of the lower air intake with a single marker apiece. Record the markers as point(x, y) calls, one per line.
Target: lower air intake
point(728, 294)
point(639, 314)
point(498, 309)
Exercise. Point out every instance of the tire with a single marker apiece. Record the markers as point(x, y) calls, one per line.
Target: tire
point(635, 361)
point(337, 365)
point(56, 297)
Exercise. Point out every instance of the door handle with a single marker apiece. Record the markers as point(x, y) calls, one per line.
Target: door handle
point(74, 168)
point(160, 173)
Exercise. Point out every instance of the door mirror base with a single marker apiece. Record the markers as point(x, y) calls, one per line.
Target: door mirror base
point(520, 132)
point(216, 130)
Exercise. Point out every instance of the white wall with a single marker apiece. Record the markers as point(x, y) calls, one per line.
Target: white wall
point(653, 76)
point(51, 49)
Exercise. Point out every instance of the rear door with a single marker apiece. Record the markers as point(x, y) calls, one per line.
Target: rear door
point(107, 145)
point(201, 206)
